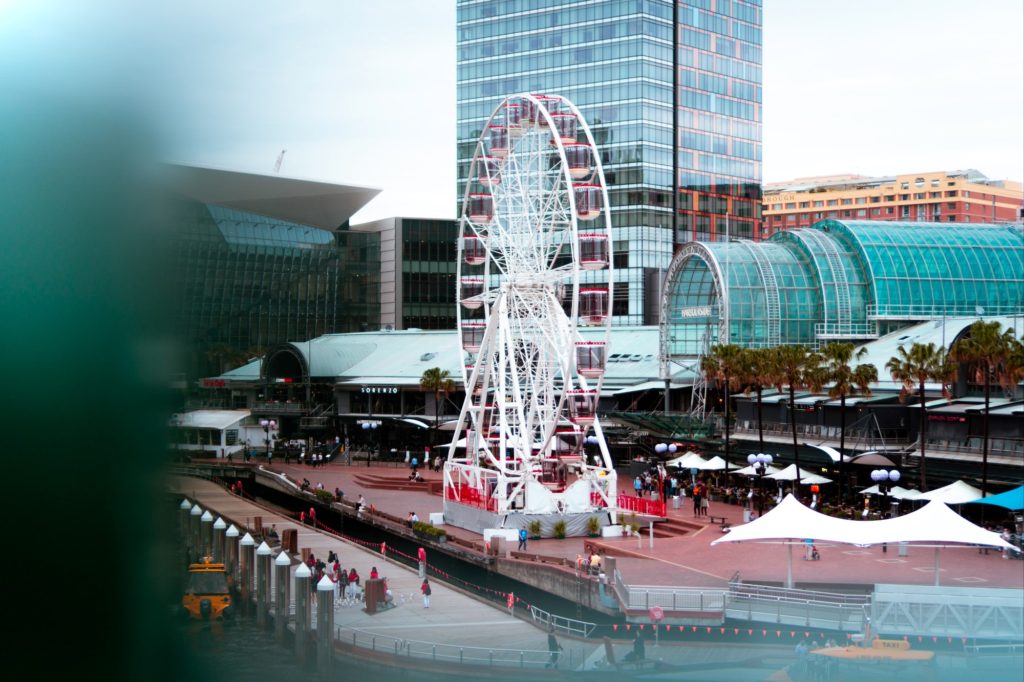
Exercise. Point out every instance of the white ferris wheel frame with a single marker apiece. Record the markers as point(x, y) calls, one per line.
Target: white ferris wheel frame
point(512, 402)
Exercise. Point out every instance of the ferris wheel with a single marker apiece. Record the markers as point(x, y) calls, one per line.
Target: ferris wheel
point(530, 278)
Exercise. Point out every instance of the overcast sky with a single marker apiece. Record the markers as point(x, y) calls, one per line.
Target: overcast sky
point(363, 92)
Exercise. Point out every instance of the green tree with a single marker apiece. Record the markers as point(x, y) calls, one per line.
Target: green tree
point(987, 349)
point(844, 380)
point(755, 375)
point(439, 382)
point(794, 367)
point(721, 366)
point(913, 368)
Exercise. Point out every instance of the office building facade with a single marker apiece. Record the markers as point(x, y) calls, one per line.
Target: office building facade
point(671, 91)
point(965, 196)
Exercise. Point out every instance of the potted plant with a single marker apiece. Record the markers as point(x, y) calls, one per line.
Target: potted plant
point(559, 529)
point(534, 528)
point(593, 526)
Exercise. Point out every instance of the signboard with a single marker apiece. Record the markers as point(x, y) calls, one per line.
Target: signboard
point(380, 389)
point(695, 311)
point(214, 383)
point(230, 436)
point(946, 418)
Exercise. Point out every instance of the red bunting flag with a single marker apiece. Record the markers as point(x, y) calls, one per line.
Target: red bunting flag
point(615, 626)
point(709, 631)
point(735, 631)
point(627, 627)
point(721, 630)
point(778, 633)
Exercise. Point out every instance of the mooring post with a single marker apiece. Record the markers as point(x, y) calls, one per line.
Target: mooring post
point(206, 534)
point(183, 513)
point(218, 540)
point(282, 565)
point(263, 554)
point(247, 550)
point(301, 592)
point(231, 553)
point(193, 529)
point(324, 625)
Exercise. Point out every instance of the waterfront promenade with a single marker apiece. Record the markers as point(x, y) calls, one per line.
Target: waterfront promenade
point(459, 625)
point(689, 560)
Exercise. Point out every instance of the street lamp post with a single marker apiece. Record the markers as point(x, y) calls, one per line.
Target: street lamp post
point(885, 480)
point(268, 426)
point(369, 426)
point(760, 462)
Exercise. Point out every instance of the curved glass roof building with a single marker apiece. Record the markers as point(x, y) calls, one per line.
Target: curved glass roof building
point(845, 280)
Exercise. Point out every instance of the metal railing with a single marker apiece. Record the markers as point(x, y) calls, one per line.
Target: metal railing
point(797, 607)
point(568, 626)
point(452, 653)
point(912, 311)
point(691, 599)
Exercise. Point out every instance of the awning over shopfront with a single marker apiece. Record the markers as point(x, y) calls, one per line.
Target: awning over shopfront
point(957, 492)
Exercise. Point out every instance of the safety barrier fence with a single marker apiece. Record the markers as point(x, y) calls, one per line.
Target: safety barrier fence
point(641, 505)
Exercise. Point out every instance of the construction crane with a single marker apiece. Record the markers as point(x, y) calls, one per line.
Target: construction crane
point(280, 160)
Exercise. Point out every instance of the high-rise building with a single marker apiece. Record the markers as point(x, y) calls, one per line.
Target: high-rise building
point(417, 270)
point(672, 92)
point(964, 196)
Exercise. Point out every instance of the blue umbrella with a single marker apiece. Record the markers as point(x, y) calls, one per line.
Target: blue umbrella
point(1011, 499)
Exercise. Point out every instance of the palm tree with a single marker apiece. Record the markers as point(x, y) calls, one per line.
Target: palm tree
point(440, 382)
point(793, 366)
point(755, 374)
point(922, 363)
point(722, 366)
point(987, 347)
point(845, 380)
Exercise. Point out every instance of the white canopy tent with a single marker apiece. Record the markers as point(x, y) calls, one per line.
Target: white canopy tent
point(789, 474)
point(792, 522)
point(957, 492)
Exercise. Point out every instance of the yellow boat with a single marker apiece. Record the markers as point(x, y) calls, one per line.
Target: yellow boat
point(206, 596)
point(880, 650)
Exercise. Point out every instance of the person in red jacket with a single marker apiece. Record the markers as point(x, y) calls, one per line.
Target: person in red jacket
point(425, 589)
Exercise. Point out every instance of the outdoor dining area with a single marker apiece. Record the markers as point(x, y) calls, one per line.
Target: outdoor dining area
point(761, 486)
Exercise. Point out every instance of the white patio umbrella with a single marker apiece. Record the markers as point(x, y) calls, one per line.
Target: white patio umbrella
point(690, 460)
point(896, 492)
point(716, 463)
point(750, 471)
point(789, 474)
point(957, 492)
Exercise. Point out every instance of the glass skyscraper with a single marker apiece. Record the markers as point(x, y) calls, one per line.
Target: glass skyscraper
point(259, 260)
point(672, 93)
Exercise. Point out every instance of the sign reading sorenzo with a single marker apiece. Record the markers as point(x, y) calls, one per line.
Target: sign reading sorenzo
point(380, 389)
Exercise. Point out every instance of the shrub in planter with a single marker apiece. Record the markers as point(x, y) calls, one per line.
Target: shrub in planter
point(534, 528)
point(559, 529)
point(425, 529)
point(593, 526)
point(325, 496)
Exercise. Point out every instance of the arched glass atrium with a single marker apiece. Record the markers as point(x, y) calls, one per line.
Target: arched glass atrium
point(847, 280)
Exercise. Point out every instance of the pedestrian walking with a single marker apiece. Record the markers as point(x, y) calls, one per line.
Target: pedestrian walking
point(523, 535)
point(425, 589)
point(555, 648)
